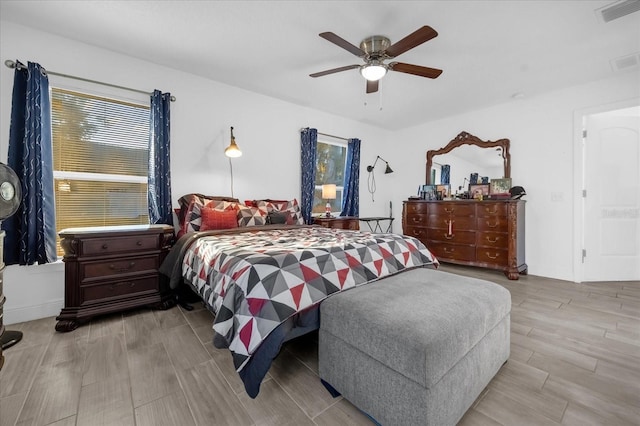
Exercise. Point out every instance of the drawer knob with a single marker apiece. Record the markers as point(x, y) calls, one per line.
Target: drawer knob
point(448, 210)
point(492, 211)
point(495, 256)
point(138, 243)
point(493, 240)
point(129, 284)
point(492, 225)
point(449, 236)
point(105, 246)
point(449, 250)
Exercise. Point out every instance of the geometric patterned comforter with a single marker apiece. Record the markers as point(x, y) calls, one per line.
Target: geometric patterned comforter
point(255, 280)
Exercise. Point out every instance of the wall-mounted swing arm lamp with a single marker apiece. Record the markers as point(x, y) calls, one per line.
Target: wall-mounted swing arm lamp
point(232, 151)
point(371, 184)
point(387, 170)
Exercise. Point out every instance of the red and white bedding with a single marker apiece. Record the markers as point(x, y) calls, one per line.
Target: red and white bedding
point(256, 279)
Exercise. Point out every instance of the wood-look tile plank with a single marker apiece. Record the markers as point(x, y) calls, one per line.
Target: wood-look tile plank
point(141, 328)
point(209, 397)
point(106, 359)
point(556, 321)
point(604, 406)
point(342, 413)
point(199, 317)
point(152, 374)
point(507, 411)
point(184, 347)
point(273, 407)
point(106, 325)
point(170, 410)
point(475, 418)
point(579, 415)
point(542, 346)
point(602, 387)
point(522, 374)
point(53, 396)
point(69, 421)
point(10, 407)
point(519, 328)
point(34, 333)
point(302, 384)
point(519, 353)
point(106, 403)
point(617, 372)
point(20, 365)
point(170, 318)
point(305, 348)
point(549, 406)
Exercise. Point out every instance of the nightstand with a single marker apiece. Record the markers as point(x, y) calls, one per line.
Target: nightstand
point(338, 222)
point(111, 269)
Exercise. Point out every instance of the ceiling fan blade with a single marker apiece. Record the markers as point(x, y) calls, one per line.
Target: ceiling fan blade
point(334, 70)
point(372, 86)
point(414, 39)
point(415, 70)
point(339, 41)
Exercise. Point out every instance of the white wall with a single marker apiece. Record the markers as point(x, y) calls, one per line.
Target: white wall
point(266, 129)
point(541, 130)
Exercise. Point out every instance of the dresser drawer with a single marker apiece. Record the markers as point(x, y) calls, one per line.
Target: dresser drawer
point(102, 292)
point(455, 208)
point(90, 271)
point(458, 223)
point(419, 233)
point(498, 240)
point(453, 251)
point(417, 219)
point(488, 209)
point(457, 237)
point(105, 246)
point(493, 224)
point(416, 207)
point(492, 256)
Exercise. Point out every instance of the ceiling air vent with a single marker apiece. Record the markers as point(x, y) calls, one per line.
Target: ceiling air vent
point(626, 62)
point(618, 10)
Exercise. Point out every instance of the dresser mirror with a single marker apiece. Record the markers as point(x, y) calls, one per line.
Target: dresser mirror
point(466, 154)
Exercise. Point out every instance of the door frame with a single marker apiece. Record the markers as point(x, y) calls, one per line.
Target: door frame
point(579, 232)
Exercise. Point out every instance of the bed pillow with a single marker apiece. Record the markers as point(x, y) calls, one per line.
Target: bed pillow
point(251, 216)
point(267, 206)
point(192, 221)
point(279, 218)
point(218, 219)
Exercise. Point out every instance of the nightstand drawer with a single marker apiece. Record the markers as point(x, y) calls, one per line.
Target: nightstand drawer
point(98, 293)
point(91, 271)
point(104, 246)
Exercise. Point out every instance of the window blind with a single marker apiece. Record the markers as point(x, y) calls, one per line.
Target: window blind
point(100, 160)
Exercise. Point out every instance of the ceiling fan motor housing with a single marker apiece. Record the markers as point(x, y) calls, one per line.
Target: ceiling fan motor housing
point(375, 45)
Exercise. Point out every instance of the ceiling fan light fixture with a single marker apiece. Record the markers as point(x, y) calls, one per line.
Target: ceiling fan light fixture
point(373, 71)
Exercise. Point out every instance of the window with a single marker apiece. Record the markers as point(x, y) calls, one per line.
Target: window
point(331, 161)
point(100, 160)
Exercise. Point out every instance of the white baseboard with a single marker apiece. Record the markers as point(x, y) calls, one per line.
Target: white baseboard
point(30, 313)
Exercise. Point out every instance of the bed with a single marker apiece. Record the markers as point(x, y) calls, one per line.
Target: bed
point(264, 283)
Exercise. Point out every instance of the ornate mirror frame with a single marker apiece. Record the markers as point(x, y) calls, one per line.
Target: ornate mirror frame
point(465, 138)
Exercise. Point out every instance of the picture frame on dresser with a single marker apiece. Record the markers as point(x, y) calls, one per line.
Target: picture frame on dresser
point(478, 189)
point(500, 187)
point(443, 190)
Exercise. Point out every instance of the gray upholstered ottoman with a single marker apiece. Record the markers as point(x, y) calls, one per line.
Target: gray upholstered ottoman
point(416, 348)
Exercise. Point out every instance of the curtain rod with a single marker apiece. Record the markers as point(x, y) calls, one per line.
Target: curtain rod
point(11, 64)
point(331, 136)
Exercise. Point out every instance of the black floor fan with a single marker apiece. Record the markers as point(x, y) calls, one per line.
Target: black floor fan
point(10, 197)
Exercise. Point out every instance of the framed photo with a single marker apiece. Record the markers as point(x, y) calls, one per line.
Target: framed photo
point(428, 192)
point(478, 190)
point(500, 186)
point(443, 191)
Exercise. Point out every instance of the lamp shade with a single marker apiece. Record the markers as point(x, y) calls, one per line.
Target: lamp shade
point(329, 192)
point(233, 151)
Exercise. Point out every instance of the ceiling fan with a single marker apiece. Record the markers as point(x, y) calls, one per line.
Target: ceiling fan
point(376, 49)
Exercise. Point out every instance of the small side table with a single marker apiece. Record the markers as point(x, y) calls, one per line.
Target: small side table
point(338, 222)
point(377, 226)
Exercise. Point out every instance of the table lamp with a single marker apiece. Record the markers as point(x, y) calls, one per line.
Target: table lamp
point(328, 193)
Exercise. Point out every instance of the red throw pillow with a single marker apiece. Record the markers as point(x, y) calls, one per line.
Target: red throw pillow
point(218, 219)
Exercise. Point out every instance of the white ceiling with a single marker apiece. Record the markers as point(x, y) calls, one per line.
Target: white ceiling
point(489, 50)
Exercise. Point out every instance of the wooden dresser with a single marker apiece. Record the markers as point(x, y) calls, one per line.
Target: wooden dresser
point(488, 233)
point(339, 222)
point(110, 269)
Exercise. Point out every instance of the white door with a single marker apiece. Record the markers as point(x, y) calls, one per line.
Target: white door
point(612, 202)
